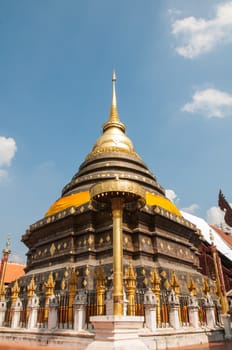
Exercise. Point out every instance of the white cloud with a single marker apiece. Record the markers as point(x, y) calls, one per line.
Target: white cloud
point(191, 209)
point(7, 150)
point(198, 35)
point(210, 102)
point(171, 195)
point(215, 216)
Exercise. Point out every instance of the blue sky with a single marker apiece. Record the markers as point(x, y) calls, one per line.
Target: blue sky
point(174, 93)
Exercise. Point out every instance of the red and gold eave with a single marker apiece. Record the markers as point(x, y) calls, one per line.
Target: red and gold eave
point(78, 199)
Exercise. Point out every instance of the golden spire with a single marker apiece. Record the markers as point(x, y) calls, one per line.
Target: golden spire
point(130, 278)
point(114, 120)
point(113, 138)
point(192, 286)
point(6, 253)
point(31, 288)
point(15, 292)
point(175, 284)
point(100, 287)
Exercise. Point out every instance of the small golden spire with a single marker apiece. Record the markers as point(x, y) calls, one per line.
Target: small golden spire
point(205, 286)
point(175, 284)
point(6, 253)
point(192, 286)
point(130, 279)
point(15, 292)
point(31, 288)
point(113, 138)
point(114, 120)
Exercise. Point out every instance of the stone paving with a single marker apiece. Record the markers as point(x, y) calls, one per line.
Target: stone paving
point(14, 346)
point(212, 346)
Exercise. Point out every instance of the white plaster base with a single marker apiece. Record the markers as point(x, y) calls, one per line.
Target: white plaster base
point(174, 317)
point(150, 317)
point(162, 339)
point(32, 319)
point(3, 309)
point(210, 317)
point(193, 316)
point(79, 317)
point(52, 318)
point(168, 338)
point(227, 326)
point(117, 332)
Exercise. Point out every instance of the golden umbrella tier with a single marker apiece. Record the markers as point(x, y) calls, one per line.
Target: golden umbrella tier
point(128, 190)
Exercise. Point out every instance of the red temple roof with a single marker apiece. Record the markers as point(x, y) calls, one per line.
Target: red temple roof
point(227, 238)
point(13, 272)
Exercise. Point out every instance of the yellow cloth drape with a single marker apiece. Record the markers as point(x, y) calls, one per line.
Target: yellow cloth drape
point(154, 199)
point(77, 199)
point(62, 203)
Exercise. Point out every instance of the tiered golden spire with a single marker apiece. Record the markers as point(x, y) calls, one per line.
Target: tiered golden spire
point(130, 279)
point(155, 287)
point(114, 118)
point(100, 287)
point(113, 138)
point(174, 283)
point(6, 253)
point(31, 288)
point(192, 286)
point(15, 292)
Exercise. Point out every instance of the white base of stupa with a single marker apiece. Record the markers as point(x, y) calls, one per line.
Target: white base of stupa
point(117, 333)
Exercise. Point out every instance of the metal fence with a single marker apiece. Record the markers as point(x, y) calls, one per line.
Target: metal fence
point(65, 314)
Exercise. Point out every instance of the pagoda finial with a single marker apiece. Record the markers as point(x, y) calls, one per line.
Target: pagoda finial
point(113, 120)
point(8, 241)
point(113, 138)
point(114, 78)
point(6, 252)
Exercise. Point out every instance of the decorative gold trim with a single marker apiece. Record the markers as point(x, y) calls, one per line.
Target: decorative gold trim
point(111, 150)
point(52, 249)
point(128, 190)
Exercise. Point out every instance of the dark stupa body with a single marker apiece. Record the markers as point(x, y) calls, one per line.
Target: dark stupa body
point(76, 234)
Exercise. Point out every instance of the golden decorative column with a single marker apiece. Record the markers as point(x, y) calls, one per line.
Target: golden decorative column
point(117, 193)
point(49, 286)
point(101, 288)
point(220, 284)
point(155, 287)
point(72, 290)
point(14, 296)
point(117, 212)
point(31, 288)
point(6, 252)
point(3, 293)
point(130, 277)
point(175, 285)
